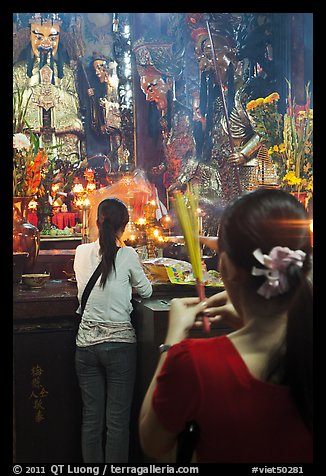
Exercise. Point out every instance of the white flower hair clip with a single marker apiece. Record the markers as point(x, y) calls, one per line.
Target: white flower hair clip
point(276, 263)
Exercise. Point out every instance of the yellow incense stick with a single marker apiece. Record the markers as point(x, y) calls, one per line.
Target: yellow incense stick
point(186, 207)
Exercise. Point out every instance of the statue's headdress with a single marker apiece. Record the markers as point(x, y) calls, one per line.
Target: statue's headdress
point(193, 20)
point(156, 57)
point(224, 25)
point(223, 31)
point(99, 56)
point(44, 18)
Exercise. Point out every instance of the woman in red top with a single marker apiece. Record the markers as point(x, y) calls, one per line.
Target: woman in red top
point(250, 392)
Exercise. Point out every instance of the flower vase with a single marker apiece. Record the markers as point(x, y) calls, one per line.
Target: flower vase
point(26, 237)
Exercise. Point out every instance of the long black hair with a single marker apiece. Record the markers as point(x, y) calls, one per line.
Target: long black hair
point(112, 218)
point(263, 219)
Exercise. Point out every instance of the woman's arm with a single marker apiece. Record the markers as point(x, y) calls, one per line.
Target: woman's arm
point(184, 314)
point(139, 280)
point(155, 439)
point(210, 241)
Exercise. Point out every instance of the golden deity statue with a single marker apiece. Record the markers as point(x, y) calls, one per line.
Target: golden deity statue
point(46, 79)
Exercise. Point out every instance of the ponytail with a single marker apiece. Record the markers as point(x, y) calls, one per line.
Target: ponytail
point(112, 218)
point(108, 247)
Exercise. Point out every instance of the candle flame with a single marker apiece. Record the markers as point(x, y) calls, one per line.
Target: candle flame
point(78, 188)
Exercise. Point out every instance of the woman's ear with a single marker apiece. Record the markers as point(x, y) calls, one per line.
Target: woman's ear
point(227, 268)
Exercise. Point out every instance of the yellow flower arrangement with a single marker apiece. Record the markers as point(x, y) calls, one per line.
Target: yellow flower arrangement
point(266, 119)
point(289, 138)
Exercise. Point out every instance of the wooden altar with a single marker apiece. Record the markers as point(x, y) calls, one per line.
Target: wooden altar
point(47, 403)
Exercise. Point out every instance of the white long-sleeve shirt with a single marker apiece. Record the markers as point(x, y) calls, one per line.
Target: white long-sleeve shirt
point(107, 312)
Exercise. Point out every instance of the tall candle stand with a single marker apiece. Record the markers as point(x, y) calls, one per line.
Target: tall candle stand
point(85, 225)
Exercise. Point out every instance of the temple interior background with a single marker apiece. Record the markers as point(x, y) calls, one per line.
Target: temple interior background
point(137, 106)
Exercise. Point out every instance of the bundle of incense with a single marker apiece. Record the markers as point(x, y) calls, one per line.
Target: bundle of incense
point(186, 208)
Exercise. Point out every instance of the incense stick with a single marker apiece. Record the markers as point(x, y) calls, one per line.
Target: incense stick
point(186, 208)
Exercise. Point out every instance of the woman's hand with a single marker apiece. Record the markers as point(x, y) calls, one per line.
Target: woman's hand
point(182, 316)
point(220, 309)
point(186, 313)
point(175, 239)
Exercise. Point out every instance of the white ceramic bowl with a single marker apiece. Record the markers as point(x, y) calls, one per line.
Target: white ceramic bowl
point(35, 280)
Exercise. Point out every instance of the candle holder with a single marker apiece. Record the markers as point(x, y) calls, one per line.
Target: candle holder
point(82, 202)
point(85, 226)
point(167, 223)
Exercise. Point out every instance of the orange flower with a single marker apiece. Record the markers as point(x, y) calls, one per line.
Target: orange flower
point(272, 98)
point(40, 158)
point(251, 105)
point(32, 178)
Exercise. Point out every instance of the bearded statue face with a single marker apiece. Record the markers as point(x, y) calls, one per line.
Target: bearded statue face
point(155, 89)
point(45, 38)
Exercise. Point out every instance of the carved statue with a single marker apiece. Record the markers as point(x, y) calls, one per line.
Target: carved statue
point(158, 69)
point(47, 80)
point(228, 146)
point(102, 110)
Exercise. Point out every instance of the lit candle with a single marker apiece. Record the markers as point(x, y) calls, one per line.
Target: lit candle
point(78, 188)
point(87, 203)
point(141, 221)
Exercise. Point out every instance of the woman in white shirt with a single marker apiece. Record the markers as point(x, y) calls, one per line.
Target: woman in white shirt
point(106, 340)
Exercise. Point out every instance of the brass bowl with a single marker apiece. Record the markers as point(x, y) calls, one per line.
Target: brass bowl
point(35, 280)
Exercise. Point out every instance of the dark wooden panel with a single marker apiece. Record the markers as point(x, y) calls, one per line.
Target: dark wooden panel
point(45, 325)
point(47, 403)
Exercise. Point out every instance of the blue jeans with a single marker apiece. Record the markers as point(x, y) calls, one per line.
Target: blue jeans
point(106, 374)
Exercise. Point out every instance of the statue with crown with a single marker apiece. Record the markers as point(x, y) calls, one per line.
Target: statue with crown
point(159, 66)
point(46, 51)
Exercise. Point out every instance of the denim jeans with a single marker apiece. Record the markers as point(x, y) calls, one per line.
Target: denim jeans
point(106, 374)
